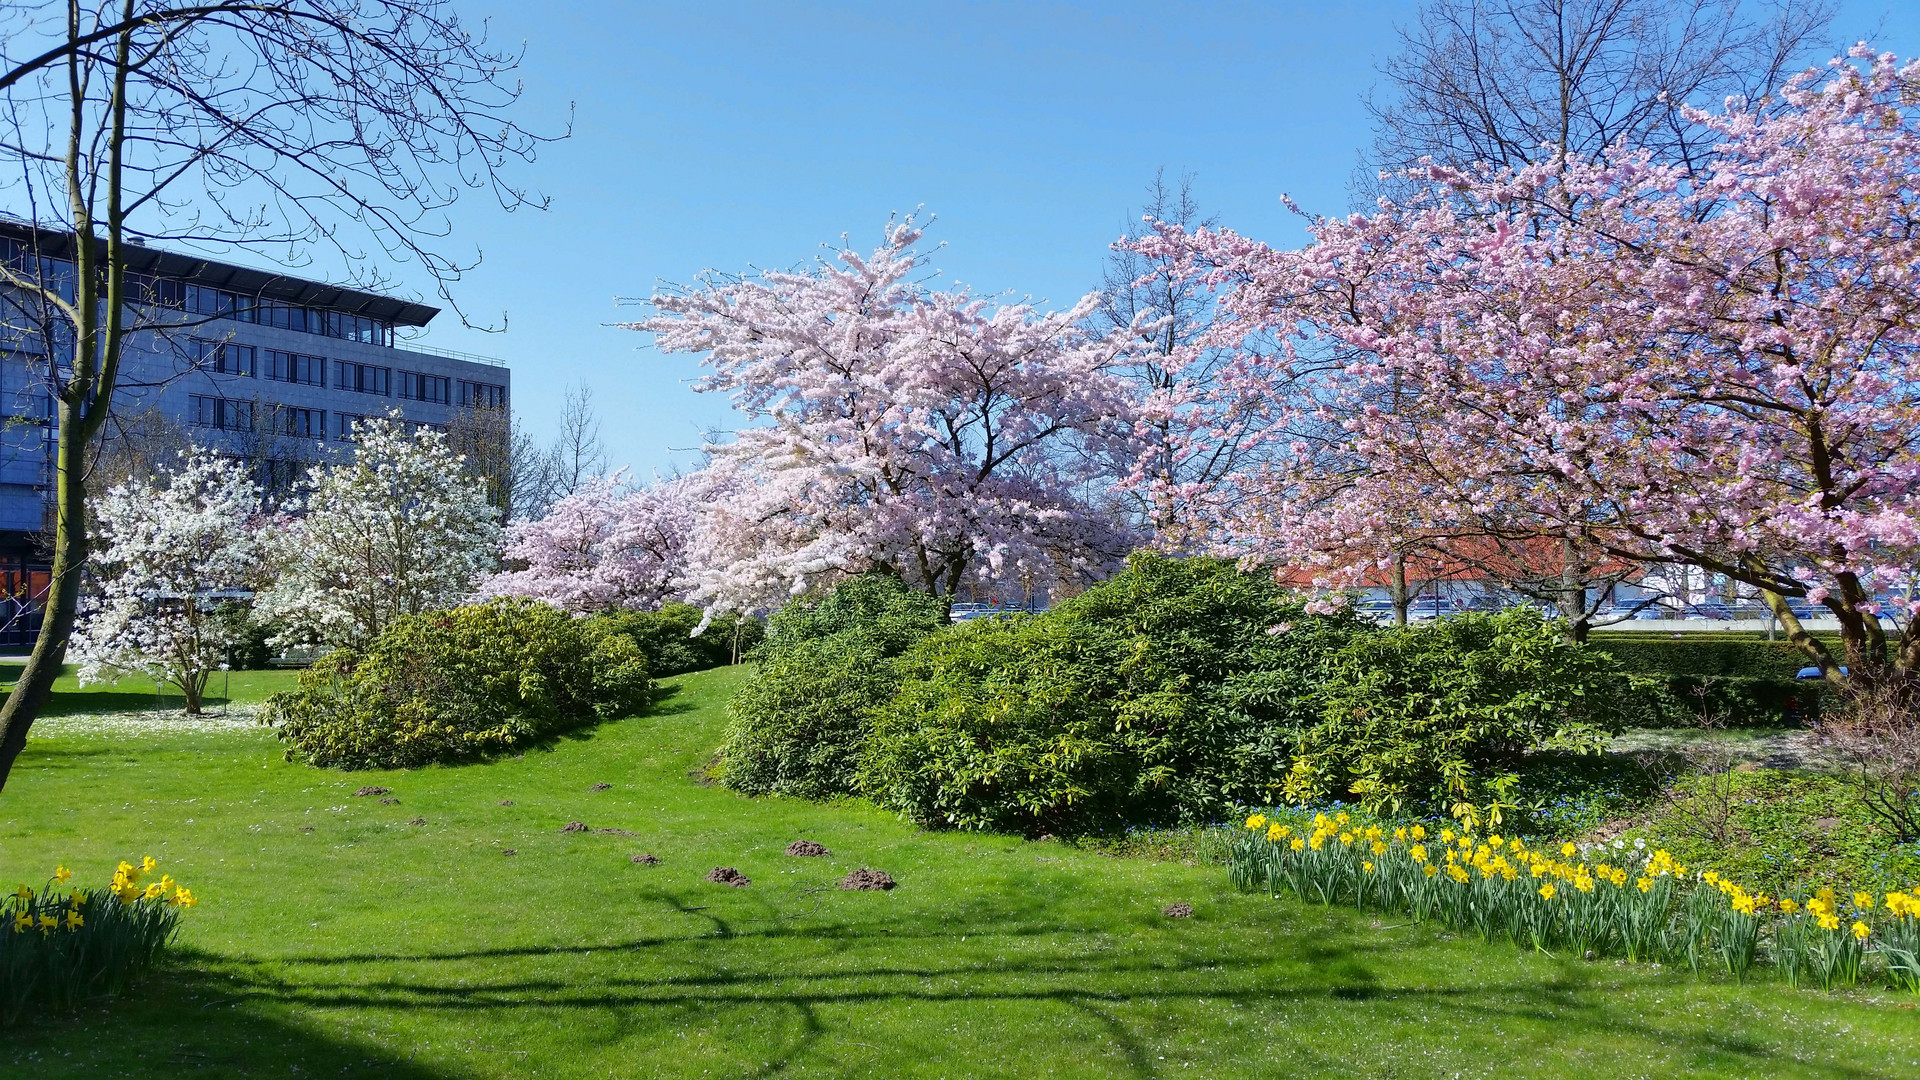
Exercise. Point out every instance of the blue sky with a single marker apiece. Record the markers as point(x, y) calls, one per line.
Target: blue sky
point(730, 135)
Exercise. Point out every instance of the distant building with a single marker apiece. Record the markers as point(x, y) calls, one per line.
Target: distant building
point(272, 368)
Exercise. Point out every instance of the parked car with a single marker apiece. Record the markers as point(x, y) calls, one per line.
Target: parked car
point(1636, 610)
point(1708, 609)
point(1812, 672)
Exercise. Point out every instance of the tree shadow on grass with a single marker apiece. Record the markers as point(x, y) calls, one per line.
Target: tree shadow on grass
point(661, 983)
point(190, 1019)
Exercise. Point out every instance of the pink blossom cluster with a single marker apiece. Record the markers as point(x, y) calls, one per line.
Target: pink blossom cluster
point(1716, 367)
point(605, 546)
point(933, 434)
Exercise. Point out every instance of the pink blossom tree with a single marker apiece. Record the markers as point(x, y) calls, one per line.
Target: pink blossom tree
point(929, 434)
point(1716, 368)
point(604, 546)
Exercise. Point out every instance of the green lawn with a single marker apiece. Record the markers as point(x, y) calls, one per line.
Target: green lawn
point(369, 946)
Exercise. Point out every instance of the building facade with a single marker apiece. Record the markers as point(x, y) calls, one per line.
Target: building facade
point(268, 367)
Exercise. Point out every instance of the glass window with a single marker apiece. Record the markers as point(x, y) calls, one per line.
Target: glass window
point(296, 368)
point(214, 412)
point(225, 357)
point(482, 395)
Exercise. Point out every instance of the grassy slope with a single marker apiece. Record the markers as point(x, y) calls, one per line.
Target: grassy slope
point(371, 947)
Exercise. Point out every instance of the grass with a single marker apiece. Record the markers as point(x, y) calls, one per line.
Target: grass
point(372, 947)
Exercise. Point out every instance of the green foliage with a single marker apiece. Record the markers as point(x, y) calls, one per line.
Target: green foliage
point(1166, 694)
point(1774, 829)
point(666, 637)
point(62, 947)
point(1723, 701)
point(797, 727)
point(454, 685)
point(1702, 654)
point(249, 651)
point(1436, 715)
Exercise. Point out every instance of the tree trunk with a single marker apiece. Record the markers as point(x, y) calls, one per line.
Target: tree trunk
point(1397, 589)
point(30, 694)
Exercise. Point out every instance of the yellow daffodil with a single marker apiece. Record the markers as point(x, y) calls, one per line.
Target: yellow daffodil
point(184, 898)
point(1546, 891)
point(147, 864)
point(1429, 869)
point(23, 893)
point(1861, 930)
point(1567, 849)
point(1418, 853)
point(1367, 866)
point(74, 921)
point(1418, 832)
point(1296, 844)
point(1863, 901)
point(61, 874)
point(1256, 821)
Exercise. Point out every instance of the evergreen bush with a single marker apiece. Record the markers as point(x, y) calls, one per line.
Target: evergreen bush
point(798, 725)
point(459, 684)
point(1170, 693)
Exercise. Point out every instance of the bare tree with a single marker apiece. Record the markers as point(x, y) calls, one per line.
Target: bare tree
point(291, 128)
point(1508, 82)
point(577, 454)
point(518, 472)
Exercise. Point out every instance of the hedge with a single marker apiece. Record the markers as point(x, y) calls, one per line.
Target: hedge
point(1702, 656)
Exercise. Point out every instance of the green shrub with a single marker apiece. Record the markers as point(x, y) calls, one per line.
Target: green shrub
point(249, 651)
point(1169, 693)
point(1724, 701)
point(666, 637)
point(1702, 654)
point(1432, 716)
point(454, 685)
point(798, 725)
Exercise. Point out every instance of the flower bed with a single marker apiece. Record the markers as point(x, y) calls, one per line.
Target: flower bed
point(1645, 907)
point(61, 946)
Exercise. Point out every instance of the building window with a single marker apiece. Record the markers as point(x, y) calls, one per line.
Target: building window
point(344, 425)
point(415, 386)
point(296, 368)
point(482, 395)
point(279, 475)
point(221, 304)
point(299, 423)
point(224, 357)
point(363, 378)
point(214, 412)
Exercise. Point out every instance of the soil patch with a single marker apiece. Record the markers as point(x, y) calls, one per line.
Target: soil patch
point(509, 851)
point(371, 790)
point(574, 826)
point(418, 821)
point(616, 832)
point(645, 858)
point(389, 802)
point(727, 875)
point(1178, 911)
point(506, 802)
point(807, 849)
point(865, 880)
point(599, 787)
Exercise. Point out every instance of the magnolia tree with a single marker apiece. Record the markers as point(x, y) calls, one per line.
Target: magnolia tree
point(169, 552)
point(1717, 368)
point(399, 529)
point(922, 433)
point(604, 546)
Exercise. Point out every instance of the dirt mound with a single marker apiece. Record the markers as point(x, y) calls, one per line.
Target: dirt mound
point(616, 832)
point(509, 851)
point(574, 826)
point(645, 858)
point(418, 821)
point(506, 802)
point(600, 787)
point(371, 790)
point(866, 880)
point(1178, 911)
point(807, 849)
point(389, 802)
point(727, 875)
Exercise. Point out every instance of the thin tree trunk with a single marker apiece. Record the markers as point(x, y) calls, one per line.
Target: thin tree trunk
point(1398, 590)
point(35, 685)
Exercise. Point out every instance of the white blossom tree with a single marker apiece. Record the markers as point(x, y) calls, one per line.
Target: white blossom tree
point(399, 529)
point(170, 551)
